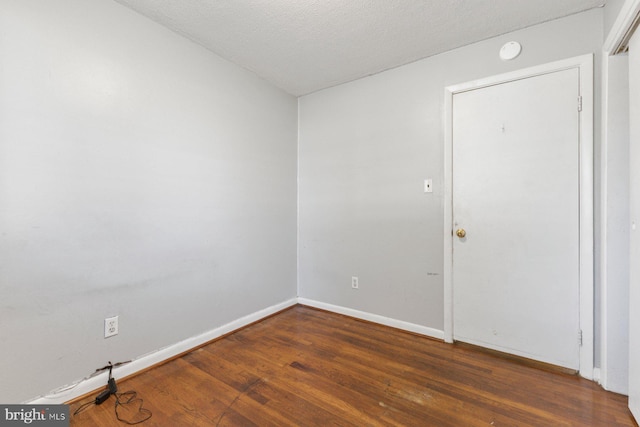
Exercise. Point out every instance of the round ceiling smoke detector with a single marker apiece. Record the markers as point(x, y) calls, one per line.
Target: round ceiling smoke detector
point(510, 51)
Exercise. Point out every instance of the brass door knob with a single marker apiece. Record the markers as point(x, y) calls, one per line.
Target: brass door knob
point(461, 233)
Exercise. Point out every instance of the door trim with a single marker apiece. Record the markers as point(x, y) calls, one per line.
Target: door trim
point(586, 275)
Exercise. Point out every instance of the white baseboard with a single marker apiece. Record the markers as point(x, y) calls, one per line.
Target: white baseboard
point(146, 361)
point(88, 385)
point(375, 318)
point(596, 376)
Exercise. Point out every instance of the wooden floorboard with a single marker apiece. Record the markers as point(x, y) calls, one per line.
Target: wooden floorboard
point(307, 367)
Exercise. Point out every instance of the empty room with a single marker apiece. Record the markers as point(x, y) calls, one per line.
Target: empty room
point(270, 213)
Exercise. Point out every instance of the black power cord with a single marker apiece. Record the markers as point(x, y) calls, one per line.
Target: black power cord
point(123, 400)
point(129, 399)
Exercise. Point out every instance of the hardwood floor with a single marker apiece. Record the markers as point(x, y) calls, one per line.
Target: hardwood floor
point(306, 367)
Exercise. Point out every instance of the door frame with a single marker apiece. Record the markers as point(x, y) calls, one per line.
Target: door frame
point(586, 274)
point(615, 43)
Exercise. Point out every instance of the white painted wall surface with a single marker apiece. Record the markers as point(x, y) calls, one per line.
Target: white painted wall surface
point(634, 274)
point(615, 242)
point(611, 10)
point(365, 148)
point(140, 176)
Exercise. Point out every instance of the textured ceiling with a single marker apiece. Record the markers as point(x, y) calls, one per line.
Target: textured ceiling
point(303, 46)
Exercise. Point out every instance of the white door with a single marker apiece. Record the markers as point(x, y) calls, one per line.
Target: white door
point(516, 195)
point(634, 259)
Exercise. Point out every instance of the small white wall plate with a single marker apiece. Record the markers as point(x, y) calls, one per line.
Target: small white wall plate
point(510, 51)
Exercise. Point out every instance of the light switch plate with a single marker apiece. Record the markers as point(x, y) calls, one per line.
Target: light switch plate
point(428, 185)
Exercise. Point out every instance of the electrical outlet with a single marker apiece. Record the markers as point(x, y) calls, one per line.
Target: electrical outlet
point(110, 326)
point(354, 282)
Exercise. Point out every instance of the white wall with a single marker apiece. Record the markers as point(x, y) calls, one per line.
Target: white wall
point(615, 217)
point(611, 10)
point(634, 274)
point(365, 148)
point(615, 241)
point(140, 176)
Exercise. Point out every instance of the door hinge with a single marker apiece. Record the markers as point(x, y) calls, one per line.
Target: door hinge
point(579, 103)
point(580, 338)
